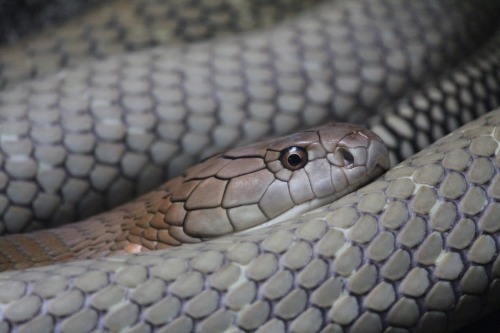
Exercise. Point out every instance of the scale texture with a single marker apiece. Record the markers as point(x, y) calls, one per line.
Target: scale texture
point(122, 26)
point(415, 251)
point(410, 251)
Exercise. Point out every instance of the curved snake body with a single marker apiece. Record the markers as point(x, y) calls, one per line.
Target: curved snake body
point(414, 251)
point(117, 26)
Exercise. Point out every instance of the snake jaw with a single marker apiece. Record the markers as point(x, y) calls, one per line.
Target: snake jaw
point(133, 248)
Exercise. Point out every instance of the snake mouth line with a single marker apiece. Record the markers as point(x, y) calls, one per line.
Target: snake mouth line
point(296, 213)
point(379, 171)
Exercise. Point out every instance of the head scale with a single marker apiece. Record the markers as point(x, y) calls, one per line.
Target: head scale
point(270, 181)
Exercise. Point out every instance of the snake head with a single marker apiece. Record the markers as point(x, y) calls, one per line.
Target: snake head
point(273, 180)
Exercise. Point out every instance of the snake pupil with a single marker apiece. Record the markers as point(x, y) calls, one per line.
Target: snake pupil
point(294, 159)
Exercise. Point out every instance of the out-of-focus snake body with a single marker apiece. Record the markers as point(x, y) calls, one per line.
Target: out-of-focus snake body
point(413, 251)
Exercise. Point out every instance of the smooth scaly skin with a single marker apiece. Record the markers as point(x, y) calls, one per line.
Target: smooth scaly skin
point(81, 141)
point(414, 249)
point(127, 310)
point(230, 192)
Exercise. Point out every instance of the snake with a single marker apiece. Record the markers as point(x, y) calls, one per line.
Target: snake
point(414, 250)
point(249, 186)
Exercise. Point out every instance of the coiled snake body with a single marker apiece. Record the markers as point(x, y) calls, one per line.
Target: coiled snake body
point(415, 250)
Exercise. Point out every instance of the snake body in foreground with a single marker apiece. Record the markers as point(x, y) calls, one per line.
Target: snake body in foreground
point(414, 251)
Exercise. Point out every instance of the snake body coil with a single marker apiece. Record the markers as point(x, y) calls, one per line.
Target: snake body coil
point(415, 251)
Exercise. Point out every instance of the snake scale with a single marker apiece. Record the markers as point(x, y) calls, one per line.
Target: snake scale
point(412, 251)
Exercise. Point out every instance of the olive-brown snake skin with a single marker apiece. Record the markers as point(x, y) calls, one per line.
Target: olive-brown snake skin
point(414, 251)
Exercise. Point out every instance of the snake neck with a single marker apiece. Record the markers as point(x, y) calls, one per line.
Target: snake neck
point(130, 228)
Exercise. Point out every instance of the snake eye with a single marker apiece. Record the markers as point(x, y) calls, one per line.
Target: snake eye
point(293, 158)
point(347, 157)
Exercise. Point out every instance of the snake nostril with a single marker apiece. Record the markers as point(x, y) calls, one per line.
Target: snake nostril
point(347, 156)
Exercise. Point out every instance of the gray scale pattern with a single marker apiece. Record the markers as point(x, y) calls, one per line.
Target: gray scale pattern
point(453, 187)
point(461, 95)
point(122, 26)
point(87, 139)
point(352, 266)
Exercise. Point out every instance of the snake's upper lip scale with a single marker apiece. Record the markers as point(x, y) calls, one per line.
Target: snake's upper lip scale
point(378, 155)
